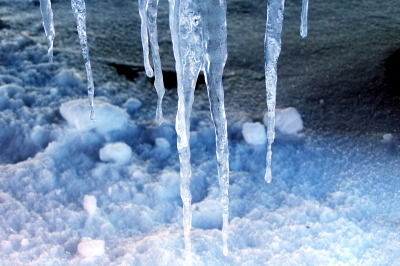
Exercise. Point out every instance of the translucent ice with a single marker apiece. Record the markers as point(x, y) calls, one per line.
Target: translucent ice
point(79, 9)
point(199, 42)
point(272, 49)
point(148, 15)
point(47, 15)
point(304, 11)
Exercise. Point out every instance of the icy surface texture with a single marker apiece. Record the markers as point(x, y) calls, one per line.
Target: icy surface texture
point(272, 49)
point(79, 10)
point(304, 13)
point(148, 15)
point(47, 15)
point(199, 41)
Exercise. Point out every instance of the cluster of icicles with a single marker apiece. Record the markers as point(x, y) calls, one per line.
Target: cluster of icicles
point(199, 34)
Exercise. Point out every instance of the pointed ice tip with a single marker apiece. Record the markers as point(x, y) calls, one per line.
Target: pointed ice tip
point(149, 73)
point(268, 176)
point(225, 251)
point(92, 116)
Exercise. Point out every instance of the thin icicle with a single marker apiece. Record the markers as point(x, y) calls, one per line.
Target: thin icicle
point(304, 12)
point(272, 49)
point(79, 9)
point(214, 32)
point(145, 37)
point(47, 15)
point(152, 6)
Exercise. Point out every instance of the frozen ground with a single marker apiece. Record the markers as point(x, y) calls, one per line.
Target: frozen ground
point(74, 192)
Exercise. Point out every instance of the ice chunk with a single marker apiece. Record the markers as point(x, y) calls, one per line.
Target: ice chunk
point(110, 117)
point(90, 204)
point(272, 49)
point(91, 248)
point(47, 15)
point(79, 10)
point(132, 104)
point(287, 121)
point(254, 133)
point(117, 152)
point(68, 77)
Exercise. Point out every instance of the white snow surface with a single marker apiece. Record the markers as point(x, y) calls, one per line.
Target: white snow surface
point(334, 198)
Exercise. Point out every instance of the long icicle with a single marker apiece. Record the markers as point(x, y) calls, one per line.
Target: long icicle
point(272, 49)
point(79, 10)
point(47, 15)
point(304, 15)
point(152, 6)
point(215, 34)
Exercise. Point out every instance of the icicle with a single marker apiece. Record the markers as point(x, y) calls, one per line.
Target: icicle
point(272, 49)
point(214, 38)
point(199, 43)
point(304, 11)
point(152, 6)
point(79, 9)
point(47, 15)
point(145, 37)
point(148, 15)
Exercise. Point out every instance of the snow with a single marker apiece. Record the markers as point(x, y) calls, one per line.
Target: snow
point(90, 204)
point(117, 152)
point(254, 133)
point(91, 248)
point(111, 117)
point(334, 196)
point(287, 121)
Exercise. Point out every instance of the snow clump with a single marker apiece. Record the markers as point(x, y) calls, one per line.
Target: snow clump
point(118, 152)
point(287, 121)
point(109, 117)
point(91, 248)
point(90, 204)
point(254, 133)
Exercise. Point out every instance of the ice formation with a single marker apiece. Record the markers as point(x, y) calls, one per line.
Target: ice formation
point(199, 42)
point(47, 15)
point(79, 9)
point(148, 15)
point(272, 49)
point(304, 11)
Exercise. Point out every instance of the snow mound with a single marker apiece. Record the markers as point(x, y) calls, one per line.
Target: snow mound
point(254, 133)
point(207, 214)
point(108, 117)
point(162, 143)
point(91, 248)
point(117, 152)
point(287, 121)
point(90, 204)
